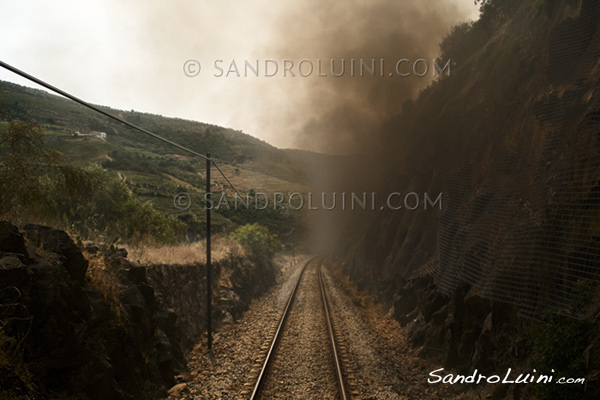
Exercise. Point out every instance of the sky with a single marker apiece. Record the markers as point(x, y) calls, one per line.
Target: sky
point(197, 60)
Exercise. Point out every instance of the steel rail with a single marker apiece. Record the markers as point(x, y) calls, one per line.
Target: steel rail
point(334, 349)
point(275, 341)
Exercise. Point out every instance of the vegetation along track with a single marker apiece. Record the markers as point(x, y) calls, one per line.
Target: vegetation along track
point(301, 358)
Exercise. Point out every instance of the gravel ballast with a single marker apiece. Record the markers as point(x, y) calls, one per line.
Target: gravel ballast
point(378, 362)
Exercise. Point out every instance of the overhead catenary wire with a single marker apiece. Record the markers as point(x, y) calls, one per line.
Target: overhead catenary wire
point(112, 116)
point(207, 157)
point(225, 177)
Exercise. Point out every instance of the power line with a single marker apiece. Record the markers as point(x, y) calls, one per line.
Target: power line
point(93, 107)
point(208, 159)
point(109, 115)
point(230, 184)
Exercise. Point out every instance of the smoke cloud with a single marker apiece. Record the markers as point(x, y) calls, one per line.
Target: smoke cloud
point(343, 115)
point(346, 115)
point(338, 115)
point(129, 55)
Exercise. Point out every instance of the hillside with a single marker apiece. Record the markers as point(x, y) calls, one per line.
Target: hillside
point(62, 117)
point(154, 171)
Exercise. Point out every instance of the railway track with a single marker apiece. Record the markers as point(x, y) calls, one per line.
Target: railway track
point(303, 340)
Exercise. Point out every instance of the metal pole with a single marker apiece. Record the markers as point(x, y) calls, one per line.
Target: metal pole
point(208, 267)
point(293, 248)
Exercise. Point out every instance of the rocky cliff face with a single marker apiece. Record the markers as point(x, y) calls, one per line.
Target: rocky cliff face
point(182, 288)
point(511, 139)
point(60, 335)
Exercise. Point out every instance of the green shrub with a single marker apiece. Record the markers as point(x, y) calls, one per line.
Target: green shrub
point(460, 42)
point(109, 208)
point(39, 185)
point(258, 238)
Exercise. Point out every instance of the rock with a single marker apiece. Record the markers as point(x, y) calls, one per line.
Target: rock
point(477, 308)
point(11, 241)
point(168, 364)
point(138, 313)
point(10, 262)
point(452, 358)
point(92, 248)
point(177, 389)
point(440, 316)
point(415, 332)
point(467, 346)
point(100, 380)
point(137, 274)
point(231, 304)
point(116, 252)
point(133, 297)
point(12, 272)
point(58, 242)
point(405, 302)
point(78, 342)
point(227, 319)
point(167, 320)
point(147, 292)
point(435, 301)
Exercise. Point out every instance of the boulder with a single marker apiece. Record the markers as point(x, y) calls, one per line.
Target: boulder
point(11, 241)
point(58, 242)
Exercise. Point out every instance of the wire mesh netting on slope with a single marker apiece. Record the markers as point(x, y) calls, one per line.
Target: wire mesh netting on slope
point(520, 221)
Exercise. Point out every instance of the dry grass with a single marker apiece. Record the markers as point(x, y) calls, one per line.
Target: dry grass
point(380, 320)
point(102, 277)
point(221, 249)
point(11, 359)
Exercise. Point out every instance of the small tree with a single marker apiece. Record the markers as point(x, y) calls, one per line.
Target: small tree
point(22, 155)
point(258, 238)
point(40, 185)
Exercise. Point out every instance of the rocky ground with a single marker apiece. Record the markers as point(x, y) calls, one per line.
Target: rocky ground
point(382, 365)
point(222, 373)
point(302, 367)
